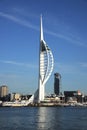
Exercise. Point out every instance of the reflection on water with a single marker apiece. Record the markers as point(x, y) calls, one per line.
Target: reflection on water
point(43, 118)
point(47, 118)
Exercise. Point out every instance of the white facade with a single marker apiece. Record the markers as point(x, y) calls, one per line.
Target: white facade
point(46, 63)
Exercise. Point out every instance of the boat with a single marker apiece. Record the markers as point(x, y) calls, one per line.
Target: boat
point(15, 104)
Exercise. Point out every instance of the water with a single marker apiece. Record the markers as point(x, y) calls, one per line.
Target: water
point(43, 118)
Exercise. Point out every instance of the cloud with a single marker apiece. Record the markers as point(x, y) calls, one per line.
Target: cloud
point(29, 25)
point(72, 69)
point(24, 13)
point(83, 64)
point(19, 21)
point(66, 68)
point(19, 64)
point(9, 76)
point(67, 38)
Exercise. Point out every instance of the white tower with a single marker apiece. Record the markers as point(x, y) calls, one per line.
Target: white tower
point(45, 64)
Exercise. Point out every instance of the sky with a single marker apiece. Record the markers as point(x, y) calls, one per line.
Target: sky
point(65, 32)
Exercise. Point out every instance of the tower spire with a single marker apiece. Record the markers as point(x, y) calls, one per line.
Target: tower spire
point(46, 63)
point(41, 29)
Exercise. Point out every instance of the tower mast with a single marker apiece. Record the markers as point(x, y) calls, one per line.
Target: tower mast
point(45, 64)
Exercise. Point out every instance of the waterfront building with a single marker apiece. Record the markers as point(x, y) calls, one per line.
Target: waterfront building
point(3, 91)
point(25, 97)
point(15, 96)
point(57, 80)
point(46, 63)
point(74, 95)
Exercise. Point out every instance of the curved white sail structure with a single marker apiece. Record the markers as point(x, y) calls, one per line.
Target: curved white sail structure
point(46, 63)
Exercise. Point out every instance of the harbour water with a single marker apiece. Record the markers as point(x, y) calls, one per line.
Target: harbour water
point(43, 118)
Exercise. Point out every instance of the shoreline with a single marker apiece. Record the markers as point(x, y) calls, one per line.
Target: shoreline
point(45, 105)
